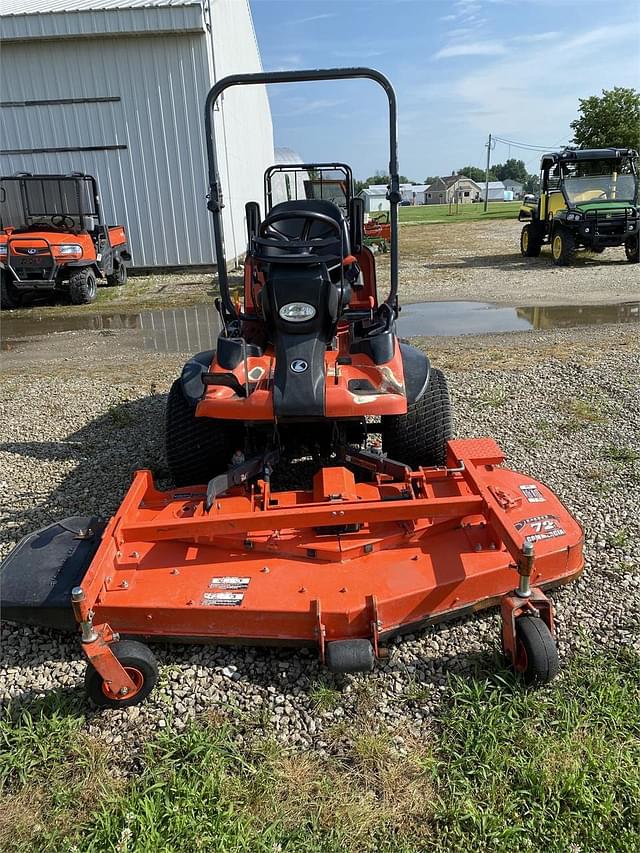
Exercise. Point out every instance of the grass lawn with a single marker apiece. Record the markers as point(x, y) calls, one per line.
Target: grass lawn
point(439, 213)
point(505, 769)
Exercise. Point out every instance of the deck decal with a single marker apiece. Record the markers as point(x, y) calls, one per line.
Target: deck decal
point(541, 527)
point(532, 493)
point(223, 599)
point(229, 582)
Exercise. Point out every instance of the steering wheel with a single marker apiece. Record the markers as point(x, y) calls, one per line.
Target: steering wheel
point(309, 219)
point(63, 221)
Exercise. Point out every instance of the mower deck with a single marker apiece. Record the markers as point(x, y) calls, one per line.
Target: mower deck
point(344, 560)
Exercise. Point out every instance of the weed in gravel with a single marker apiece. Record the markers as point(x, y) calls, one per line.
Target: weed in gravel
point(619, 538)
point(622, 455)
point(587, 411)
point(120, 415)
point(324, 697)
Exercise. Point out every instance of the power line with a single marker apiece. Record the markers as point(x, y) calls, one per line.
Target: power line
point(527, 146)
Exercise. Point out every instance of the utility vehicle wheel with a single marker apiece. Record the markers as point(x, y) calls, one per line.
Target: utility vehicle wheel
point(420, 437)
point(118, 278)
point(9, 294)
point(632, 249)
point(197, 449)
point(140, 665)
point(536, 651)
point(349, 656)
point(563, 247)
point(530, 241)
point(83, 287)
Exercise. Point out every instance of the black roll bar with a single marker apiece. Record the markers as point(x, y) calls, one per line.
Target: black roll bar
point(215, 202)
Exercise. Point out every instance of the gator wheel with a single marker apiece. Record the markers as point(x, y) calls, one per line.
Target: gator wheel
point(530, 241)
point(632, 249)
point(197, 449)
point(563, 247)
point(536, 651)
point(420, 437)
point(139, 664)
point(9, 294)
point(83, 287)
point(118, 278)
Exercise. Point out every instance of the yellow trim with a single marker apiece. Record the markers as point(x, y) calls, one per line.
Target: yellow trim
point(557, 246)
point(525, 238)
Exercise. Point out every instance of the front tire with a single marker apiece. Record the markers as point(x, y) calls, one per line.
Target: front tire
point(9, 294)
point(83, 287)
point(632, 248)
point(530, 241)
point(141, 666)
point(563, 247)
point(420, 437)
point(197, 449)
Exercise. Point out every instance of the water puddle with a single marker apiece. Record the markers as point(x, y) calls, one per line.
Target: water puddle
point(194, 329)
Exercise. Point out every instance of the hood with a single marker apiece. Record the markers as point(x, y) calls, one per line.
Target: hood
point(604, 205)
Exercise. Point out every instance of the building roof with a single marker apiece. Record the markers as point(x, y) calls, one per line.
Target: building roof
point(286, 156)
point(416, 188)
point(45, 7)
point(376, 189)
point(496, 185)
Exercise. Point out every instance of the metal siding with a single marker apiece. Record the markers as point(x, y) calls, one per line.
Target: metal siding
point(107, 22)
point(157, 186)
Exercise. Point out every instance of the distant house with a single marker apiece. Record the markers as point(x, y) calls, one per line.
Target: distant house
point(375, 198)
point(452, 188)
point(505, 190)
point(414, 193)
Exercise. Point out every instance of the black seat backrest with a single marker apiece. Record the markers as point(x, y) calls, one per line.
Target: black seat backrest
point(298, 229)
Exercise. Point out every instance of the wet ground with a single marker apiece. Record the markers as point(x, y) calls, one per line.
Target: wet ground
point(194, 329)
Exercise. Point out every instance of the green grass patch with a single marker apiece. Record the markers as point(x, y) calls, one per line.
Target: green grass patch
point(504, 769)
point(439, 213)
point(622, 455)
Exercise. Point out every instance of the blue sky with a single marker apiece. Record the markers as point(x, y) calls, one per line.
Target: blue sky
point(461, 68)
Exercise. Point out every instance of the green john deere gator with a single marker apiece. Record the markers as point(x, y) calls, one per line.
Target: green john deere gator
point(588, 199)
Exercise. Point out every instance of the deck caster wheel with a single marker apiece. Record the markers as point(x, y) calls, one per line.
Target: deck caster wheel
point(139, 663)
point(349, 656)
point(536, 651)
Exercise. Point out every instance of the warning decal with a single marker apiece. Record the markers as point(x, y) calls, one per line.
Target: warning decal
point(223, 599)
point(532, 493)
point(229, 582)
point(540, 527)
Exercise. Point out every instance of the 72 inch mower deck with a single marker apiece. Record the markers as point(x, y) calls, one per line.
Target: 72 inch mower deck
point(343, 566)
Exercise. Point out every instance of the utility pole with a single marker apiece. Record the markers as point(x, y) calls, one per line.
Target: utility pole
point(486, 176)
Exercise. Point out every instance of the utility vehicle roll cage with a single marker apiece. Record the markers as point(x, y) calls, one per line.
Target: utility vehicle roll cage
point(58, 196)
point(576, 155)
point(215, 200)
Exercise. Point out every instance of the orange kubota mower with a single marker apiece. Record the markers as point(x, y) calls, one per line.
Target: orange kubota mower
point(54, 240)
point(307, 358)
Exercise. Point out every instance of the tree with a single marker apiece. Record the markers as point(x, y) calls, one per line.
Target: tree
point(430, 179)
point(475, 173)
point(612, 120)
point(532, 184)
point(513, 169)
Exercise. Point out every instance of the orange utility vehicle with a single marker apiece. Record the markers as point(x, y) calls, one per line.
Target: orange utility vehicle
point(54, 240)
point(308, 361)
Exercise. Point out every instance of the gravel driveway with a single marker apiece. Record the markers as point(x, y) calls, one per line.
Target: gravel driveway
point(563, 404)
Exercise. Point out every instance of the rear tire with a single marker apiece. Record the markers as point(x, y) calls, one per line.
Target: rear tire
point(563, 247)
point(83, 287)
point(119, 277)
point(530, 241)
point(9, 294)
point(420, 437)
point(632, 249)
point(197, 449)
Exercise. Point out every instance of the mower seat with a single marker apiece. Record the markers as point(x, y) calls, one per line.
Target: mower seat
point(301, 229)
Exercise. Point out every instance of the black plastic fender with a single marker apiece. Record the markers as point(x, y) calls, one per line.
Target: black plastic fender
point(191, 377)
point(416, 368)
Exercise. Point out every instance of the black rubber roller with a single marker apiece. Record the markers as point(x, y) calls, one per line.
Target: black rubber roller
point(349, 656)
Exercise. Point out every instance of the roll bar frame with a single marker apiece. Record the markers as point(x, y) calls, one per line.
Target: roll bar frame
point(215, 200)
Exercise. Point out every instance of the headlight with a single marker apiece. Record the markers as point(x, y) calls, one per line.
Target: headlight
point(69, 249)
point(297, 312)
point(574, 217)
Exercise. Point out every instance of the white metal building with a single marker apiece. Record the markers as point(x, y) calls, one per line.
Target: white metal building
point(116, 88)
point(414, 193)
point(375, 198)
point(497, 191)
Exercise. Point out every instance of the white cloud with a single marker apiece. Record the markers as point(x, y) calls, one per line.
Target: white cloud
point(532, 38)
point(472, 48)
point(311, 18)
